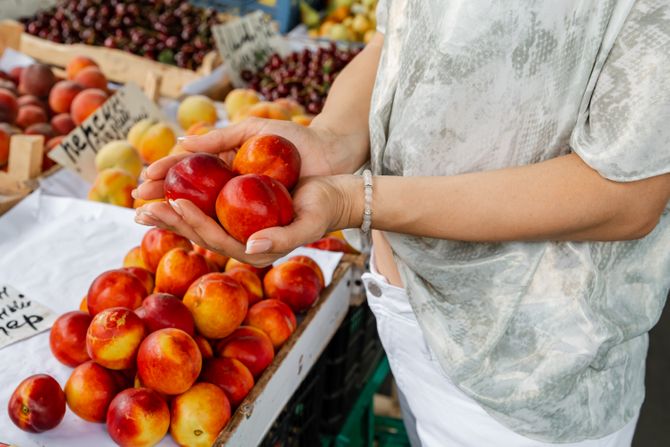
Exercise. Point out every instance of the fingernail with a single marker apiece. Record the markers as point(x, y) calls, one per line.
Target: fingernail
point(144, 217)
point(133, 193)
point(143, 174)
point(257, 246)
point(176, 207)
point(184, 138)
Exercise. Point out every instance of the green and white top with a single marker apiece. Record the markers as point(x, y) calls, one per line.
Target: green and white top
point(549, 337)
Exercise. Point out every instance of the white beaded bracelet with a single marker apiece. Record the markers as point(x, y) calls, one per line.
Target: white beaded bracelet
point(367, 210)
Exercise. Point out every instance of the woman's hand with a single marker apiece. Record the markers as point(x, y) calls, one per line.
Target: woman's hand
point(320, 205)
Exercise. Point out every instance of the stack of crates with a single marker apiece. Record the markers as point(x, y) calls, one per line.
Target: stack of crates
point(285, 12)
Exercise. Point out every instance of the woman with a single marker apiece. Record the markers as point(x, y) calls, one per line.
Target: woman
point(519, 207)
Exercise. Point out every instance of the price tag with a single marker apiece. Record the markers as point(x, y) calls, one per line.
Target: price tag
point(247, 43)
point(21, 317)
point(110, 122)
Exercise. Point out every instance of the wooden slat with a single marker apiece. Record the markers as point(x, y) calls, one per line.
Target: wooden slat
point(10, 35)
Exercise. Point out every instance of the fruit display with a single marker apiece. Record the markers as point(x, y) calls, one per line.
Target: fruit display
point(194, 356)
point(169, 31)
point(347, 20)
point(303, 76)
point(33, 101)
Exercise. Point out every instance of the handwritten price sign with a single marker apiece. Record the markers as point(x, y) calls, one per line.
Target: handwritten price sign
point(21, 317)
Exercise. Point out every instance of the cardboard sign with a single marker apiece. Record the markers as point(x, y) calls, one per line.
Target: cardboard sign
point(21, 317)
point(110, 122)
point(247, 43)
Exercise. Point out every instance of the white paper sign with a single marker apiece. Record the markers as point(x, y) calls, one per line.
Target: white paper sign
point(110, 122)
point(247, 43)
point(21, 317)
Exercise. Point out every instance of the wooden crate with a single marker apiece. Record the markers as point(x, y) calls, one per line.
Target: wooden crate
point(119, 66)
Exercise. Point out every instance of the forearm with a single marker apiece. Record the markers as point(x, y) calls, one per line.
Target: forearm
point(345, 113)
point(560, 199)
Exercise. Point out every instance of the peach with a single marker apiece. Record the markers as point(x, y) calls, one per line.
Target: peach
point(264, 109)
point(83, 304)
point(218, 304)
point(15, 74)
point(114, 337)
point(37, 404)
point(217, 261)
point(250, 346)
point(51, 145)
point(294, 283)
point(113, 186)
point(91, 77)
point(177, 270)
point(6, 132)
point(67, 339)
point(169, 361)
point(37, 79)
point(331, 243)
point(62, 95)
point(62, 124)
point(86, 103)
point(138, 417)
point(196, 109)
point(303, 120)
point(231, 376)
point(247, 204)
point(251, 283)
point(43, 129)
point(156, 142)
point(119, 154)
point(89, 391)
point(312, 263)
point(143, 275)
point(162, 310)
point(9, 107)
point(29, 115)
point(115, 288)
point(270, 155)
point(292, 106)
point(234, 263)
point(138, 130)
point(274, 318)
point(239, 100)
point(205, 347)
point(198, 415)
point(134, 259)
point(199, 128)
point(77, 64)
point(156, 242)
point(198, 178)
point(32, 100)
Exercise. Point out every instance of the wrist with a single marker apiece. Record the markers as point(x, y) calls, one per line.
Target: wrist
point(349, 201)
point(344, 151)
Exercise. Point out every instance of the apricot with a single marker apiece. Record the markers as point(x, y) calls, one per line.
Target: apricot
point(239, 100)
point(77, 64)
point(114, 337)
point(218, 304)
point(67, 339)
point(113, 186)
point(303, 120)
point(264, 109)
point(292, 106)
point(156, 142)
point(169, 361)
point(199, 128)
point(196, 109)
point(138, 130)
point(119, 154)
point(91, 77)
point(198, 415)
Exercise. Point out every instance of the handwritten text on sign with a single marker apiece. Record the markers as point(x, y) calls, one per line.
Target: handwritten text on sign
point(247, 43)
point(110, 122)
point(21, 317)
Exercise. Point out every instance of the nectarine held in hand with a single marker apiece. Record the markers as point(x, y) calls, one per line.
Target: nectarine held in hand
point(68, 338)
point(247, 204)
point(198, 415)
point(198, 178)
point(270, 155)
point(37, 404)
point(138, 417)
point(169, 361)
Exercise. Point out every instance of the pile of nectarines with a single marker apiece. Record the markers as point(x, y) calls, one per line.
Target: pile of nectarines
point(174, 340)
point(33, 101)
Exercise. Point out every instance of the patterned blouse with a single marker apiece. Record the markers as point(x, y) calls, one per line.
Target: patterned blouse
point(549, 337)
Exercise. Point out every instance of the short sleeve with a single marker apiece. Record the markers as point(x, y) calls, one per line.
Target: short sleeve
point(624, 131)
point(382, 15)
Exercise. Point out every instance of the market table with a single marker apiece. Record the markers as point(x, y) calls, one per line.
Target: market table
point(52, 247)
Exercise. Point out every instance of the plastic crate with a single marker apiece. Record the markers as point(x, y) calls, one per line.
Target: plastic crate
point(285, 12)
point(298, 423)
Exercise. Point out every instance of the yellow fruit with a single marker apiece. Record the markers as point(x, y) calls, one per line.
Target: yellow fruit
point(113, 186)
point(156, 142)
point(137, 131)
point(338, 32)
point(360, 24)
point(368, 36)
point(239, 100)
point(196, 109)
point(119, 154)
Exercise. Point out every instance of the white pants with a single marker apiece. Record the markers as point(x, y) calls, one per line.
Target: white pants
point(435, 410)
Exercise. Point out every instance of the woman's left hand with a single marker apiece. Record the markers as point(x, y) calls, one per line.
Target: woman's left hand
point(320, 205)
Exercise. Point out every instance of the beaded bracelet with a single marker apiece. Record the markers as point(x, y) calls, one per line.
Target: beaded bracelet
point(367, 210)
